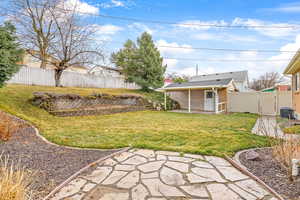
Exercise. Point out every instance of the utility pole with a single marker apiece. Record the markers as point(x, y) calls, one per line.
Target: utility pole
point(196, 69)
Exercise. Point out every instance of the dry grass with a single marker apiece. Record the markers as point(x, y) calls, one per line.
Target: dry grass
point(285, 151)
point(284, 147)
point(14, 182)
point(7, 126)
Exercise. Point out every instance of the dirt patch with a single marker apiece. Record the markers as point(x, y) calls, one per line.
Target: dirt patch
point(270, 171)
point(51, 164)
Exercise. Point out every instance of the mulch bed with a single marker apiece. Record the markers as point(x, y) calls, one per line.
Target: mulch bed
point(270, 171)
point(50, 164)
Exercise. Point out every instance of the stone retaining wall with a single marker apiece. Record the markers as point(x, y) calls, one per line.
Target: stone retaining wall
point(109, 110)
point(57, 102)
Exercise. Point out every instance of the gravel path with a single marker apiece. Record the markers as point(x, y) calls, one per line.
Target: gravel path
point(270, 171)
point(51, 164)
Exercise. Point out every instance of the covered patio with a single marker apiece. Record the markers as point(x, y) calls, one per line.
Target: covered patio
point(200, 96)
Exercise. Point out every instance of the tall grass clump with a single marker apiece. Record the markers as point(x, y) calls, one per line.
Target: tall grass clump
point(284, 147)
point(14, 181)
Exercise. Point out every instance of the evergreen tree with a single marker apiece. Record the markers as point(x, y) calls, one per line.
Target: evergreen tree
point(10, 53)
point(141, 63)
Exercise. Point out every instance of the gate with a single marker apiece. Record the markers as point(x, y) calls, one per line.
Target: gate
point(264, 103)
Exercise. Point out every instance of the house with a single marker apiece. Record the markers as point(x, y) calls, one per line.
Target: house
point(105, 71)
point(278, 87)
point(167, 81)
point(208, 95)
point(293, 69)
point(240, 79)
point(29, 60)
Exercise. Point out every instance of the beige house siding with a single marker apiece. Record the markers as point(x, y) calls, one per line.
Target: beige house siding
point(296, 94)
point(31, 61)
point(222, 95)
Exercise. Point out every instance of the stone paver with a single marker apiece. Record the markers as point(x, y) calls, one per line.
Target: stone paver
point(141, 174)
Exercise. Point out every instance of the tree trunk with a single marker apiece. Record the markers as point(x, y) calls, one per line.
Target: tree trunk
point(43, 58)
point(57, 76)
point(43, 64)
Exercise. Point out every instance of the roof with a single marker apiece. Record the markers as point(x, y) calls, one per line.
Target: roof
point(294, 64)
point(106, 68)
point(200, 84)
point(237, 76)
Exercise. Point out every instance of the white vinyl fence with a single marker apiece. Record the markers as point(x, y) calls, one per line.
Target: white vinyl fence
point(45, 77)
point(265, 103)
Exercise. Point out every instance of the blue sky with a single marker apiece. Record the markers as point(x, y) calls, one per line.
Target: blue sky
point(227, 12)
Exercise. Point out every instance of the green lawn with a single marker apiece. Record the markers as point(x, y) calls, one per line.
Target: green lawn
point(194, 133)
point(292, 130)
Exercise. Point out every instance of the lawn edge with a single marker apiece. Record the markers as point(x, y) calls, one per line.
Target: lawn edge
point(235, 161)
point(44, 139)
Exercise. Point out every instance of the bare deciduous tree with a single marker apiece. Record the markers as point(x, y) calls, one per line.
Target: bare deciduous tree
point(269, 79)
point(57, 32)
point(35, 27)
point(73, 44)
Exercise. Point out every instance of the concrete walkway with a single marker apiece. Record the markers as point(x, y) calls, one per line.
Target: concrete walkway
point(267, 126)
point(141, 174)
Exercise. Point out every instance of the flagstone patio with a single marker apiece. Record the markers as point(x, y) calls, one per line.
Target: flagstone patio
point(140, 174)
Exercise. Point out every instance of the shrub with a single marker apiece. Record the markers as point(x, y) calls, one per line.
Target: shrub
point(7, 126)
point(14, 181)
point(284, 147)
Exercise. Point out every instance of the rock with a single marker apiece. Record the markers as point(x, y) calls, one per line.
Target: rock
point(220, 191)
point(171, 177)
point(252, 155)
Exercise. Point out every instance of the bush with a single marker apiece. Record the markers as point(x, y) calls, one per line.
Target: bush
point(8, 126)
point(14, 181)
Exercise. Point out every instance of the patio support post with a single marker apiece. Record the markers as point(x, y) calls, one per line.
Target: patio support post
point(165, 99)
point(189, 100)
point(216, 100)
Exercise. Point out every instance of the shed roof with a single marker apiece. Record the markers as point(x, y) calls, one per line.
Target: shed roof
point(238, 76)
point(201, 84)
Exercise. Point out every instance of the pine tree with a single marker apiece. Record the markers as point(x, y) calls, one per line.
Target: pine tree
point(141, 63)
point(10, 53)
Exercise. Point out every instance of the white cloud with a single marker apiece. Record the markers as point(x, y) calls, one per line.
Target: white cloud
point(173, 48)
point(286, 55)
point(141, 28)
point(117, 3)
point(191, 71)
point(225, 37)
point(263, 27)
point(171, 63)
point(200, 25)
point(286, 8)
point(80, 7)
point(270, 29)
point(107, 29)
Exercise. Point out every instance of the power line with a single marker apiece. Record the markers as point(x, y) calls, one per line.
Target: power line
point(232, 50)
point(225, 60)
point(121, 18)
point(214, 49)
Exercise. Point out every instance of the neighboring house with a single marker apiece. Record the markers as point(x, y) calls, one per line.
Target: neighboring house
point(33, 61)
point(206, 95)
point(293, 69)
point(105, 71)
point(167, 81)
point(240, 79)
point(278, 87)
